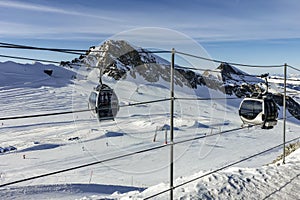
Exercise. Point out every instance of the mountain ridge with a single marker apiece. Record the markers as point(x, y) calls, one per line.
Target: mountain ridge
point(119, 59)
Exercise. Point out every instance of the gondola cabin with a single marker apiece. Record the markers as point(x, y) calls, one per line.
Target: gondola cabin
point(259, 111)
point(104, 103)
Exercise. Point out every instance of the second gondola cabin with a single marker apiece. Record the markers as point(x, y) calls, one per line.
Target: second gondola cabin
point(104, 103)
point(259, 111)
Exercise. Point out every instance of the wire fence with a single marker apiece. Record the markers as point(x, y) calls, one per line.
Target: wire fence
point(172, 98)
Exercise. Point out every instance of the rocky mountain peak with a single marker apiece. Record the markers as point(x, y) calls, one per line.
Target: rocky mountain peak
point(119, 59)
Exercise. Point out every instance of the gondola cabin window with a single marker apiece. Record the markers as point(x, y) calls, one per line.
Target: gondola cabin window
point(250, 109)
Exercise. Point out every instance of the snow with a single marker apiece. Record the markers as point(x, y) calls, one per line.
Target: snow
point(48, 142)
point(274, 181)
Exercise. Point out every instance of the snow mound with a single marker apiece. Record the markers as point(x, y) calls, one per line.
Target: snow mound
point(274, 181)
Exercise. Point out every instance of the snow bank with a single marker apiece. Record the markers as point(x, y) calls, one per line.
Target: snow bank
point(32, 75)
point(274, 181)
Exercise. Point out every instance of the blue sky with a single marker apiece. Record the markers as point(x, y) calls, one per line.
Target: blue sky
point(254, 32)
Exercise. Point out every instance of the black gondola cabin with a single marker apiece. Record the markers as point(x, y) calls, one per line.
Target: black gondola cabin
point(104, 103)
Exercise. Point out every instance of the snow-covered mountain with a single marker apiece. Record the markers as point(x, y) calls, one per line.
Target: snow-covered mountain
point(119, 59)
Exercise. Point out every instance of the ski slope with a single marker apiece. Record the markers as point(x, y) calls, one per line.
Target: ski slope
point(63, 141)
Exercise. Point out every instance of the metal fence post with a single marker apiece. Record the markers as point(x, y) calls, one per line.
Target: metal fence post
point(284, 112)
point(172, 123)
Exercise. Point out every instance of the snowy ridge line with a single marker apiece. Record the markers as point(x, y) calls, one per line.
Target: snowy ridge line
point(219, 169)
point(75, 51)
point(230, 63)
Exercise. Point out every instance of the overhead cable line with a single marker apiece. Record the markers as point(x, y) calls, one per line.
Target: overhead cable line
point(231, 63)
point(217, 71)
point(80, 51)
point(124, 105)
point(288, 79)
point(121, 106)
point(17, 46)
point(145, 102)
point(31, 59)
point(43, 115)
point(46, 61)
point(155, 51)
point(41, 60)
point(76, 111)
point(29, 48)
point(219, 169)
point(204, 99)
point(213, 134)
point(294, 68)
point(77, 64)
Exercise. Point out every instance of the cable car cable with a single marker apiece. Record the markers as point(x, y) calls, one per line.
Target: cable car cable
point(231, 63)
point(31, 59)
point(126, 105)
point(18, 46)
point(30, 48)
point(9, 45)
point(204, 99)
point(294, 68)
point(75, 111)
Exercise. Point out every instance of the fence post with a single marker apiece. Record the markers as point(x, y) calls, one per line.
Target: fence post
point(172, 122)
point(284, 111)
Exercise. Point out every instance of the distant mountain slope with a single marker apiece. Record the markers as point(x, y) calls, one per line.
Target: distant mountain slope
point(33, 75)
